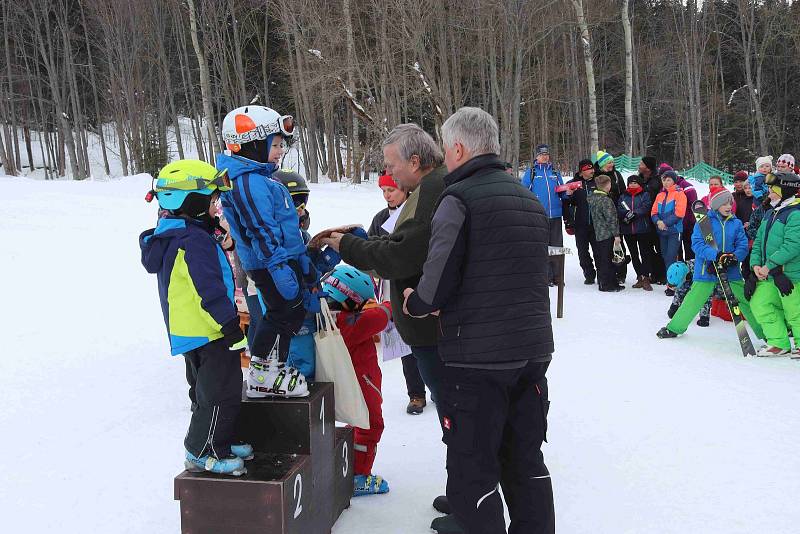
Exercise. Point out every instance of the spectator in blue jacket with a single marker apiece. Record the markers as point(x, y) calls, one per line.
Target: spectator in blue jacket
point(635, 226)
point(543, 180)
point(265, 224)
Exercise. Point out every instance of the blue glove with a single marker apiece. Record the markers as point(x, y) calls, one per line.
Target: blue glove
point(286, 281)
point(330, 258)
point(359, 232)
point(311, 301)
point(310, 274)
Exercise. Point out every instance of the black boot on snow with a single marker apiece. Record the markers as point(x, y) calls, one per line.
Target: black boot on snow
point(442, 505)
point(666, 333)
point(702, 321)
point(447, 525)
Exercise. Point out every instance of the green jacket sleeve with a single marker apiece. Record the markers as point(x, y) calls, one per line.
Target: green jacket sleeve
point(790, 248)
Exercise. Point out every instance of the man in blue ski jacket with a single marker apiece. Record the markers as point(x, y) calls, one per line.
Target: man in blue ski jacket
point(542, 180)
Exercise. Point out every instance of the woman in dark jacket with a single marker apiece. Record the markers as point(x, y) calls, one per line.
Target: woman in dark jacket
point(635, 225)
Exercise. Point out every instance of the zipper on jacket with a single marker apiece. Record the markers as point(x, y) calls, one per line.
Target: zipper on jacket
point(368, 381)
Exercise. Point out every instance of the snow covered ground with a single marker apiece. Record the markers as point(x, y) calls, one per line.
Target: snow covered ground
point(646, 435)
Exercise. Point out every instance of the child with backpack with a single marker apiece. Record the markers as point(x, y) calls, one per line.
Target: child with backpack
point(195, 286)
point(730, 249)
point(348, 290)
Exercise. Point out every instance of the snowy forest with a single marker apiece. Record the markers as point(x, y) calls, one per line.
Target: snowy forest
point(682, 80)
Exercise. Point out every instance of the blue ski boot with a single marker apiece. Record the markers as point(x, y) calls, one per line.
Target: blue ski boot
point(242, 450)
point(230, 465)
point(369, 485)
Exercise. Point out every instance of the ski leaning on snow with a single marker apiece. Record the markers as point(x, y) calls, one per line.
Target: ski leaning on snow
point(701, 216)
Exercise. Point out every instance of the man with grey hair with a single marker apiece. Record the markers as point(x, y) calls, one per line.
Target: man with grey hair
point(414, 160)
point(486, 278)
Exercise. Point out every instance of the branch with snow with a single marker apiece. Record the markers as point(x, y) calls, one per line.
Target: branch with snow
point(427, 87)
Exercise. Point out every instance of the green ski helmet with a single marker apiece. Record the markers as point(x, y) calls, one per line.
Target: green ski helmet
point(179, 179)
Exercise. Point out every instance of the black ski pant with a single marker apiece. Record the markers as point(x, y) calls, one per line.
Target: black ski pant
point(556, 239)
point(215, 380)
point(493, 423)
point(606, 271)
point(584, 238)
point(414, 383)
point(282, 320)
point(659, 271)
point(686, 240)
point(641, 255)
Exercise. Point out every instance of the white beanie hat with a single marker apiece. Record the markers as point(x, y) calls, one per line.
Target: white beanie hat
point(763, 160)
point(788, 158)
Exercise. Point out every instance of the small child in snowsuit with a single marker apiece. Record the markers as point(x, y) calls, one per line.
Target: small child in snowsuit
point(775, 262)
point(348, 289)
point(680, 276)
point(606, 230)
point(264, 222)
point(195, 284)
point(732, 242)
point(757, 181)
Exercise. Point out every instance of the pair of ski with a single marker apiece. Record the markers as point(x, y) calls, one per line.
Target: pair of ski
point(700, 212)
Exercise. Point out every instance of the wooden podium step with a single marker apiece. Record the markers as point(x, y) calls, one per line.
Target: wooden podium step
point(343, 471)
point(273, 497)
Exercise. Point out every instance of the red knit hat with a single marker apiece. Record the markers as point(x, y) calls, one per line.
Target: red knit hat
point(387, 181)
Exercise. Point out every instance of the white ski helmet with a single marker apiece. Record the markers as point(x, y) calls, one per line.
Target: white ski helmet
point(254, 123)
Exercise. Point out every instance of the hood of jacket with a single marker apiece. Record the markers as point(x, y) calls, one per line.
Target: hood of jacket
point(237, 166)
point(154, 242)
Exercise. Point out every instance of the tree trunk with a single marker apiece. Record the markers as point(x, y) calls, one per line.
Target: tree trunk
point(626, 26)
point(205, 82)
point(590, 84)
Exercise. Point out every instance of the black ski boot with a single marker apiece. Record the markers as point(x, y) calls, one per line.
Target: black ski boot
point(666, 333)
point(442, 505)
point(447, 525)
point(702, 321)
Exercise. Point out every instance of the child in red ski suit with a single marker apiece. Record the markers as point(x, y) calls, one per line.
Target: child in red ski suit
point(349, 290)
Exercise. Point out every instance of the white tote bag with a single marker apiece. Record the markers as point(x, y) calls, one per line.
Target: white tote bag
point(334, 365)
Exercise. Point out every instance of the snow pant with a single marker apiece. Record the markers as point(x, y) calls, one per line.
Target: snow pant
point(282, 319)
point(584, 238)
point(215, 377)
point(302, 351)
point(680, 294)
point(639, 248)
point(774, 312)
point(659, 271)
point(414, 384)
point(555, 239)
point(494, 422)
point(430, 368)
point(670, 246)
point(698, 297)
point(606, 272)
point(256, 310)
point(365, 441)
point(686, 239)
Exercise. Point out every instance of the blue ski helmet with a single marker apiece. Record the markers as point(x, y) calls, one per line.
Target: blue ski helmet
point(181, 178)
point(346, 283)
point(676, 273)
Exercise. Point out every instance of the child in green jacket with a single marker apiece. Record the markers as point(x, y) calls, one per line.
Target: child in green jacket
point(775, 261)
point(603, 213)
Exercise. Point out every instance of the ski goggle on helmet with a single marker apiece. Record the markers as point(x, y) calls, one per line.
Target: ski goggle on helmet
point(176, 180)
point(255, 123)
point(347, 285)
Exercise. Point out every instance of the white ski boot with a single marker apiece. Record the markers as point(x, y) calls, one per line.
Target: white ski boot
point(271, 378)
point(769, 351)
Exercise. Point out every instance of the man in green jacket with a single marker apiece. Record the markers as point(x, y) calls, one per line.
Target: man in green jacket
point(775, 262)
point(414, 160)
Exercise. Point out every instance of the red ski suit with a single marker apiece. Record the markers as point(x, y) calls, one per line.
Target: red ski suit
point(357, 331)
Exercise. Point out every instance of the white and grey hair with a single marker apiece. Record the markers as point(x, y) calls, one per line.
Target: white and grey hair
point(413, 140)
point(473, 128)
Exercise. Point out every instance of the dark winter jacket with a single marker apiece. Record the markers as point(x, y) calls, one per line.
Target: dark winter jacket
point(542, 181)
point(399, 256)
point(640, 204)
point(377, 221)
point(756, 218)
point(617, 183)
point(604, 215)
point(261, 214)
point(691, 196)
point(652, 185)
point(487, 269)
point(195, 281)
point(729, 237)
point(744, 206)
point(576, 208)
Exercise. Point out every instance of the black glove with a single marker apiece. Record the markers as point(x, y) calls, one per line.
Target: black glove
point(232, 332)
point(726, 259)
point(782, 282)
point(629, 217)
point(750, 285)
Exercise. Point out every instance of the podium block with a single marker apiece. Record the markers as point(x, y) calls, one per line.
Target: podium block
point(273, 497)
point(298, 426)
point(343, 471)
